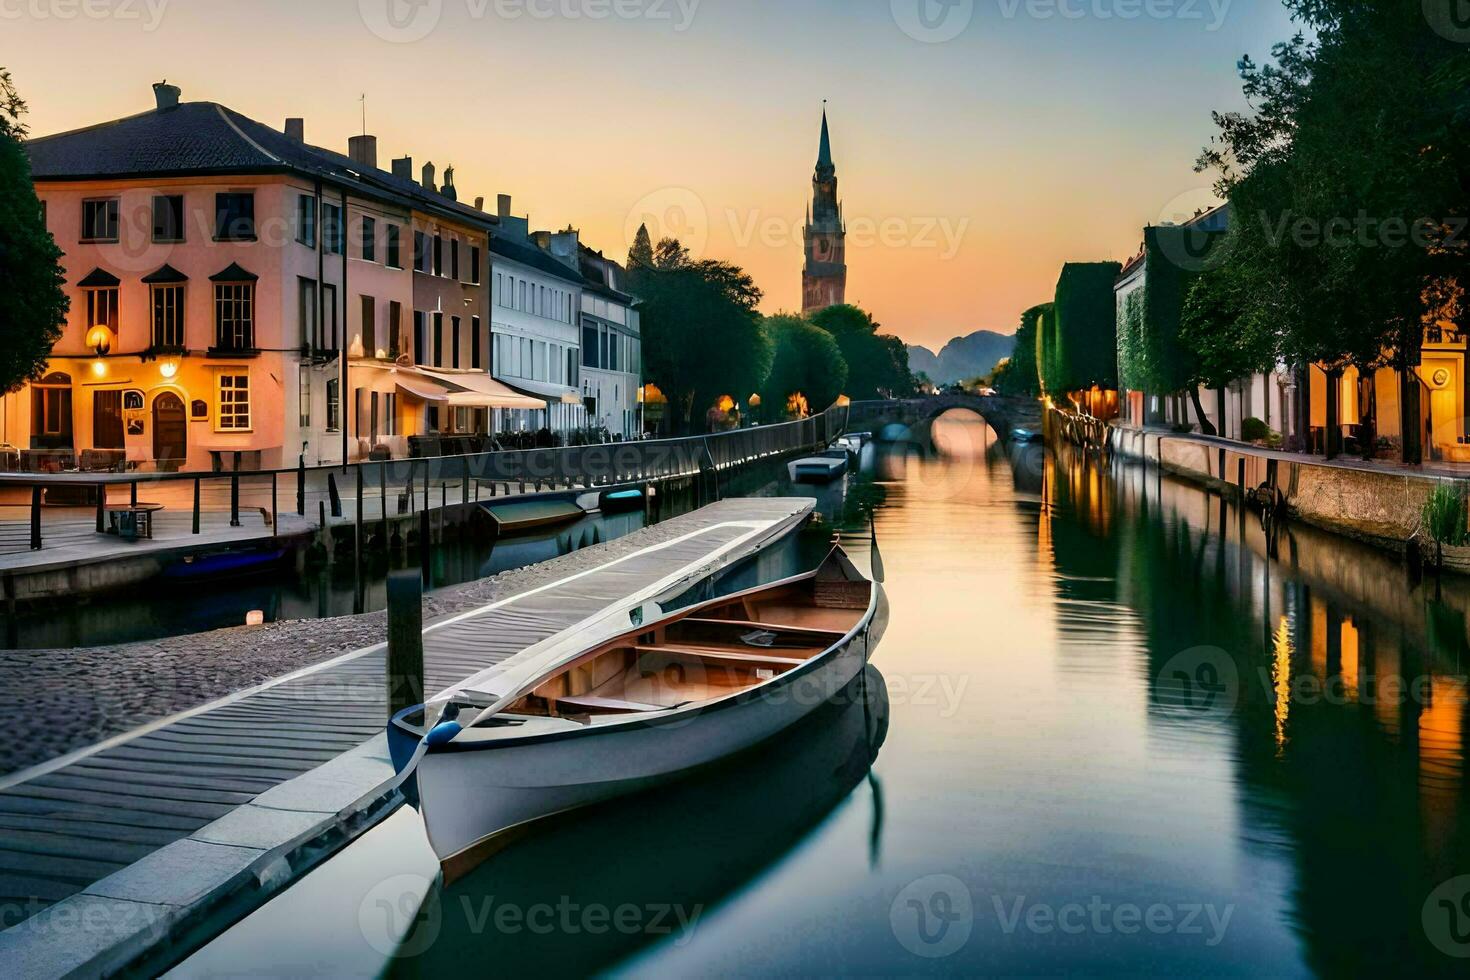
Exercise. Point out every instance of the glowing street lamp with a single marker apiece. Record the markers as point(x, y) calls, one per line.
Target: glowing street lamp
point(99, 338)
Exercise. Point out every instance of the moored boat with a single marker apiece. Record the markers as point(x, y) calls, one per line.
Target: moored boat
point(822, 468)
point(663, 699)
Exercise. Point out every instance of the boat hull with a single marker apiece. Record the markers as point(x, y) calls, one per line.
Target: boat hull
point(471, 796)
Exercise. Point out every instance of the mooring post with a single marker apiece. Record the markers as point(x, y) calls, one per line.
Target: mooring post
point(334, 494)
point(425, 559)
point(235, 499)
point(196, 504)
point(101, 506)
point(405, 641)
point(383, 496)
point(36, 517)
point(275, 506)
point(1240, 479)
point(359, 515)
point(301, 485)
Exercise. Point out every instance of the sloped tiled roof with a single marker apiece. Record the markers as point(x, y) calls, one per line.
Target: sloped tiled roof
point(536, 258)
point(205, 139)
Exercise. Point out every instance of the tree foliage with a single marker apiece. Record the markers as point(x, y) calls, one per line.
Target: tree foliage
point(806, 360)
point(33, 305)
point(640, 256)
point(1084, 334)
point(1021, 379)
point(878, 364)
point(702, 336)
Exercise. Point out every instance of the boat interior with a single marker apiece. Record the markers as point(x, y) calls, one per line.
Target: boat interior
point(713, 651)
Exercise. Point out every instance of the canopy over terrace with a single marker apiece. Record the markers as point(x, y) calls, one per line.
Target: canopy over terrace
point(475, 389)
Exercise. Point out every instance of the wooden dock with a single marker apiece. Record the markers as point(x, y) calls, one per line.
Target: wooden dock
point(75, 823)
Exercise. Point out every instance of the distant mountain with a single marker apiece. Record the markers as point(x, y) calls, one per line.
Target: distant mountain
point(963, 358)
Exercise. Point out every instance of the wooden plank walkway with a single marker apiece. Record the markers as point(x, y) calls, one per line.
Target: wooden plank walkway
point(67, 824)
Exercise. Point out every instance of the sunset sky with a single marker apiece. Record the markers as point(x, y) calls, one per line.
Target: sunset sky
point(971, 168)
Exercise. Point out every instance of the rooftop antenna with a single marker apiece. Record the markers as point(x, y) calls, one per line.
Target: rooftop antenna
point(363, 100)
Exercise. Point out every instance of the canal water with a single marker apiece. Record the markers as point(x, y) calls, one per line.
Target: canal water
point(1112, 730)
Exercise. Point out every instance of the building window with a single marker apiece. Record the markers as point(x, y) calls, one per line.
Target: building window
point(420, 341)
point(334, 404)
point(51, 412)
point(475, 271)
point(522, 297)
point(303, 397)
point(332, 236)
point(168, 218)
point(590, 345)
point(395, 324)
point(476, 353)
point(499, 289)
point(454, 341)
point(234, 316)
point(102, 308)
point(306, 220)
point(438, 339)
point(232, 406)
point(306, 313)
point(420, 252)
point(395, 259)
point(454, 259)
point(369, 326)
point(328, 339)
point(234, 217)
point(168, 317)
point(369, 239)
point(99, 220)
point(439, 255)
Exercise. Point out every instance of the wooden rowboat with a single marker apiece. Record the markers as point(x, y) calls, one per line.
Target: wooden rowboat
point(822, 468)
point(663, 699)
point(524, 516)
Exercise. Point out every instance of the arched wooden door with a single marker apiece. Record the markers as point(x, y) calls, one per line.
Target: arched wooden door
point(170, 431)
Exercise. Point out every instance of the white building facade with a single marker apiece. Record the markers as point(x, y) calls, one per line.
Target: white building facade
point(612, 349)
point(535, 338)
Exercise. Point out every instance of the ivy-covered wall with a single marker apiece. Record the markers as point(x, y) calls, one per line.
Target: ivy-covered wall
point(1151, 354)
point(1046, 348)
point(1085, 352)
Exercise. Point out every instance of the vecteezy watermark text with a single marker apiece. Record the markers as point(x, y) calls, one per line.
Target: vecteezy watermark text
point(148, 12)
point(406, 21)
point(1099, 917)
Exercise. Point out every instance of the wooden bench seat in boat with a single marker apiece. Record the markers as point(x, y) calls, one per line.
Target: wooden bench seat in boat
point(785, 634)
point(591, 702)
point(747, 661)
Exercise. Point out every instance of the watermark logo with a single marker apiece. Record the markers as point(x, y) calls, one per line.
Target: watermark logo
point(672, 212)
point(1446, 917)
point(1449, 18)
point(933, 21)
point(396, 921)
point(933, 917)
point(1099, 917)
point(1203, 681)
point(1212, 13)
point(1184, 239)
point(401, 21)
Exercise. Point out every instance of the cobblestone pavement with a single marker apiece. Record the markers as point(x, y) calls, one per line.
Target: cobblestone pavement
point(58, 701)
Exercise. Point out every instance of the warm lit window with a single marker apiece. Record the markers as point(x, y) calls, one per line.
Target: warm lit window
point(233, 402)
point(102, 308)
point(234, 315)
point(168, 316)
point(99, 220)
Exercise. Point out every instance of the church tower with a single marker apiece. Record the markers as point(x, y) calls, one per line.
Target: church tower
point(824, 280)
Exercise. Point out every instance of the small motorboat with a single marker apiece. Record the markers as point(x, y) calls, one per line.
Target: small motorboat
point(620, 501)
point(822, 468)
point(224, 564)
point(543, 734)
point(513, 517)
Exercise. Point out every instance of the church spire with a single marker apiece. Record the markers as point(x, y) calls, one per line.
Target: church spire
point(824, 155)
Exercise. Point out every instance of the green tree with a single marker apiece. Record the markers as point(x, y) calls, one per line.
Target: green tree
point(1020, 378)
point(878, 364)
point(1085, 328)
point(33, 305)
point(702, 336)
point(806, 360)
point(641, 254)
point(1350, 182)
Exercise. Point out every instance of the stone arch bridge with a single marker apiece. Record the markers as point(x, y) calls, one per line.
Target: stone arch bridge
point(1003, 414)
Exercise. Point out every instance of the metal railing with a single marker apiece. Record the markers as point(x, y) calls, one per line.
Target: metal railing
point(389, 487)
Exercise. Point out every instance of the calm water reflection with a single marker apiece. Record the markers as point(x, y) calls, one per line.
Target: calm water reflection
point(1119, 740)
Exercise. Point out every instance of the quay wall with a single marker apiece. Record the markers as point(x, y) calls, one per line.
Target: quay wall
point(1381, 507)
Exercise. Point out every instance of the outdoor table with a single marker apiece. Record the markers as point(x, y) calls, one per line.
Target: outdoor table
point(132, 521)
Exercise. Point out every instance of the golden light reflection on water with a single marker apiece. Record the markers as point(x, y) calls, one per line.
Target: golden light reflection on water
point(1281, 678)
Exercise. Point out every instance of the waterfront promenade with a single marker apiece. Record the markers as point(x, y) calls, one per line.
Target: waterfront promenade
point(148, 833)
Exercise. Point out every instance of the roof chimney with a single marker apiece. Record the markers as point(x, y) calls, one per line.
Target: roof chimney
point(480, 203)
point(428, 180)
point(363, 150)
point(448, 188)
point(296, 129)
point(502, 206)
point(166, 94)
point(403, 168)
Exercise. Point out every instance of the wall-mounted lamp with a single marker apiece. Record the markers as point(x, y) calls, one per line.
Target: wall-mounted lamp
point(99, 368)
point(169, 370)
point(99, 338)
